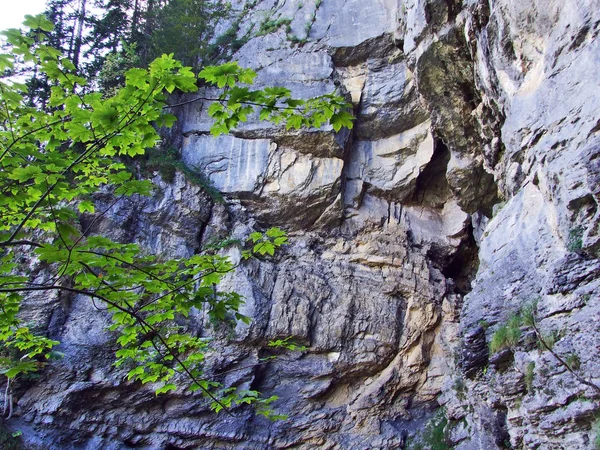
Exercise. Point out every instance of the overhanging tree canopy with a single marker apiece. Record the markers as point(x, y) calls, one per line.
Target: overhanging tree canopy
point(54, 158)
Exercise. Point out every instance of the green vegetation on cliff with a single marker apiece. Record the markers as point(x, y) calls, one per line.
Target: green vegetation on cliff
point(57, 152)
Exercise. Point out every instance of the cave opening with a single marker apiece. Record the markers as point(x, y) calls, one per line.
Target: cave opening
point(463, 265)
point(432, 188)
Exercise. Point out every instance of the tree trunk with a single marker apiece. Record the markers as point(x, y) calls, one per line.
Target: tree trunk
point(135, 18)
point(78, 34)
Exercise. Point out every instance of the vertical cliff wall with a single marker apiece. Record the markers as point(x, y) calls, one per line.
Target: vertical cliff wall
point(467, 189)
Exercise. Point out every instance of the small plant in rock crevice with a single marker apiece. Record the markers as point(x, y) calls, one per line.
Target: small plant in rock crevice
point(433, 436)
point(507, 335)
point(529, 375)
point(575, 242)
point(308, 25)
point(596, 434)
point(168, 162)
point(460, 388)
point(10, 440)
point(272, 25)
point(572, 359)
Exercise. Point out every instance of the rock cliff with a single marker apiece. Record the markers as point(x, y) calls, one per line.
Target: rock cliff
point(467, 190)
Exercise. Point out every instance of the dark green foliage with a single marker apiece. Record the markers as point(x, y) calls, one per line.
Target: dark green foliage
point(108, 30)
point(575, 242)
point(271, 25)
point(184, 28)
point(168, 162)
point(163, 161)
point(228, 43)
point(460, 388)
point(229, 36)
point(112, 74)
point(433, 437)
point(10, 440)
point(87, 32)
point(529, 375)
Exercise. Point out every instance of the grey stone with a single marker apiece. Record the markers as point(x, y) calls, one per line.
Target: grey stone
point(474, 356)
point(467, 189)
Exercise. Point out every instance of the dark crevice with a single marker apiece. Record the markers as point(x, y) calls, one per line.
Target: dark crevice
point(175, 447)
point(134, 443)
point(432, 187)
point(596, 128)
point(474, 352)
point(202, 231)
point(470, 95)
point(260, 371)
point(378, 47)
point(581, 36)
point(454, 8)
point(463, 265)
point(500, 428)
point(438, 13)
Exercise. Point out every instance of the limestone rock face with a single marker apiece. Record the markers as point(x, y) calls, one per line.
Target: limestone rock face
point(467, 190)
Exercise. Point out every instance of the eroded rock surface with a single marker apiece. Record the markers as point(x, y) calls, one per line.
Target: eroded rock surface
point(467, 189)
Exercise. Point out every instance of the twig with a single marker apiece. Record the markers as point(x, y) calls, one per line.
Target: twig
point(138, 318)
point(5, 409)
point(562, 361)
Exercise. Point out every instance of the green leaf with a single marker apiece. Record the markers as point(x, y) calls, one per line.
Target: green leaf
point(86, 206)
point(38, 22)
point(23, 174)
point(275, 232)
point(341, 119)
point(294, 122)
point(166, 388)
point(256, 236)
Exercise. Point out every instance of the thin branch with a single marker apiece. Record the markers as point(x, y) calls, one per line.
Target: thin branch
point(6, 393)
point(29, 133)
point(64, 268)
point(221, 100)
point(95, 146)
point(133, 314)
point(96, 218)
point(20, 242)
point(133, 266)
point(562, 361)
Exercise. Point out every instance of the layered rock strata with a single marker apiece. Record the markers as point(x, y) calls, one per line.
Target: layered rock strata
point(467, 190)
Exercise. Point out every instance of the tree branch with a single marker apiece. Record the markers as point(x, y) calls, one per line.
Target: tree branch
point(562, 361)
point(133, 314)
